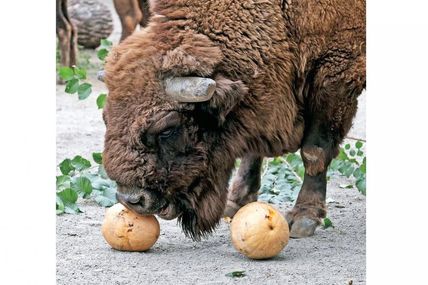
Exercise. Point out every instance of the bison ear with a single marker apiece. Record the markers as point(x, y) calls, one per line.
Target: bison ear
point(227, 95)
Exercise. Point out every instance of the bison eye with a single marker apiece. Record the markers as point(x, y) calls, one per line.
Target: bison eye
point(167, 133)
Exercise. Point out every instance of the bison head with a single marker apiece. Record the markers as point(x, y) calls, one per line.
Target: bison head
point(164, 142)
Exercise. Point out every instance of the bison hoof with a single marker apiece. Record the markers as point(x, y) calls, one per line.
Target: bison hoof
point(303, 227)
point(235, 203)
point(231, 209)
point(304, 220)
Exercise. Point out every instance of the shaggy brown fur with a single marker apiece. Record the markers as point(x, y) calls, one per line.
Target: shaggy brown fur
point(288, 75)
point(132, 13)
point(66, 33)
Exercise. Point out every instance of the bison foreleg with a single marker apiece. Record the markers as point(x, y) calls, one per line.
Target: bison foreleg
point(333, 105)
point(317, 152)
point(245, 185)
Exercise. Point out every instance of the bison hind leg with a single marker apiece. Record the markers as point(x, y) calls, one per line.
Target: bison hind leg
point(245, 185)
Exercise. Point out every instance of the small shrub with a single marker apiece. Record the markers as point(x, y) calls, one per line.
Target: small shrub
point(80, 179)
point(283, 176)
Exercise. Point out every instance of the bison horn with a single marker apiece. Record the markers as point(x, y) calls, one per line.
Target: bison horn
point(100, 75)
point(190, 89)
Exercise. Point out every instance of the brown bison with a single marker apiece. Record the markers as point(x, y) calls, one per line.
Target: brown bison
point(208, 82)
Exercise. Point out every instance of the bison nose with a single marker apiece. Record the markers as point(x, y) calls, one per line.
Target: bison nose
point(140, 201)
point(131, 199)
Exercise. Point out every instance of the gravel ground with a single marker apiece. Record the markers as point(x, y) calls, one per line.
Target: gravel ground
point(332, 256)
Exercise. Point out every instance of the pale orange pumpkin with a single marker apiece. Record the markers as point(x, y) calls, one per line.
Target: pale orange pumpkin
point(127, 231)
point(259, 231)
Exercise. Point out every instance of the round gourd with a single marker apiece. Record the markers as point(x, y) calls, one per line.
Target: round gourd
point(127, 231)
point(259, 231)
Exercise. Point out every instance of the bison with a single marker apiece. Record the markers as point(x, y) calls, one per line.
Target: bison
point(207, 82)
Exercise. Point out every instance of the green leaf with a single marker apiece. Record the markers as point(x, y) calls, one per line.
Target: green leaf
point(335, 165)
point(347, 146)
point(69, 198)
point(102, 53)
point(344, 186)
point(360, 153)
point(361, 185)
point(106, 198)
point(363, 166)
point(66, 166)
point(235, 274)
point(352, 152)
point(342, 155)
point(72, 86)
point(84, 90)
point(71, 209)
point(101, 101)
point(59, 205)
point(105, 43)
point(79, 163)
point(98, 157)
point(83, 186)
point(66, 73)
point(275, 161)
point(326, 223)
point(100, 184)
point(80, 73)
point(347, 169)
point(62, 182)
point(359, 144)
point(358, 173)
point(102, 172)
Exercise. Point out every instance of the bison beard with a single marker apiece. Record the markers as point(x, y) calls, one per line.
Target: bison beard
point(197, 224)
point(208, 82)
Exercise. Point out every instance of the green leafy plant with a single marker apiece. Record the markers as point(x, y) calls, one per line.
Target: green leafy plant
point(80, 179)
point(75, 77)
point(104, 49)
point(283, 176)
point(84, 59)
point(351, 162)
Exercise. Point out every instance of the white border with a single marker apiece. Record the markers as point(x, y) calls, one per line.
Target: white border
point(397, 128)
point(27, 143)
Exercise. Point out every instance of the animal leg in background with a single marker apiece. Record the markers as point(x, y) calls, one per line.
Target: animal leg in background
point(67, 34)
point(333, 106)
point(245, 185)
point(132, 13)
